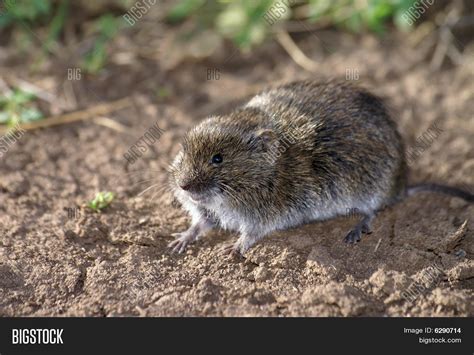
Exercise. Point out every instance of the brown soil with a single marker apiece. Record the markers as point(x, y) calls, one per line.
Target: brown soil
point(117, 263)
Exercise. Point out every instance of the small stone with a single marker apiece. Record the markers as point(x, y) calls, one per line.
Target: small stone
point(261, 274)
point(143, 220)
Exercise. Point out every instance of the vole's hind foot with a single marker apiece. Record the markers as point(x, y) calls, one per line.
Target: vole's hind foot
point(353, 236)
point(242, 244)
point(363, 226)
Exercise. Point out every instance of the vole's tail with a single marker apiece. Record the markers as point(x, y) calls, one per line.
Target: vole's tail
point(443, 189)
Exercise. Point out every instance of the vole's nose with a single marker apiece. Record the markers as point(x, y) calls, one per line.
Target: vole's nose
point(191, 185)
point(185, 186)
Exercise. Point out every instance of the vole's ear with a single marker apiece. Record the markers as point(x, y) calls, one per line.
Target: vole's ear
point(263, 139)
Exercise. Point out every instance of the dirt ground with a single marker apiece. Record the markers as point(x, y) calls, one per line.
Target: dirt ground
point(116, 263)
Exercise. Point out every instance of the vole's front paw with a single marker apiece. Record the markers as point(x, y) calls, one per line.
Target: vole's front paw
point(181, 242)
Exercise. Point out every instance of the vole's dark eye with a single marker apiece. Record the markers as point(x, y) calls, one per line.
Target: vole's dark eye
point(216, 159)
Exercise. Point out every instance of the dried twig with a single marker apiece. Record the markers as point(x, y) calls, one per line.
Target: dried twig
point(446, 39)
point(294, 52)
point(452, 240)
point(92, 112)
point(441, 50)
point(420, 33)
point(110, 123)
point(377, 246)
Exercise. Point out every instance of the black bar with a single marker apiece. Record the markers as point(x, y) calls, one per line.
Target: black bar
point(291, 335)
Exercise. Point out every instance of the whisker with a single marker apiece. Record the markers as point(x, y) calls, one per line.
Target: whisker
point(141, 171)
point(166, 191)
point(165, 185)
point(229, 190)
point(232, 195)
point(239, 198)
point(130, 175)
point(167, 188)
point(148, 188)
point(143, 181)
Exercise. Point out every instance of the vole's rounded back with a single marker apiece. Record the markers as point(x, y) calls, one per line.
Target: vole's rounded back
point(344, 132)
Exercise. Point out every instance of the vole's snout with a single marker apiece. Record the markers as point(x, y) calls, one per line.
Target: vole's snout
point(185, 186)
point(193, 186)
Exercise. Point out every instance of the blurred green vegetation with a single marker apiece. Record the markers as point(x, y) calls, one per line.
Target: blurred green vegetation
point(245, 22)
point(349, 14)
point(26, 15)
point(248, 22)
point(106, 28)
point(18, 11)
point(18, 107)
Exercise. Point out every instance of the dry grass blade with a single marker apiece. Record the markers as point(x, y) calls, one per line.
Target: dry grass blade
point(295, 52)
point(92, 112)
point(110, 123)
point(453, 240)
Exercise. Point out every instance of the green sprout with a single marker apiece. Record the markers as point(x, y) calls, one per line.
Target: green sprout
point(101, 201)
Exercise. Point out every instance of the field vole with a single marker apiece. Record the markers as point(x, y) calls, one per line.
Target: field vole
point(301, 152)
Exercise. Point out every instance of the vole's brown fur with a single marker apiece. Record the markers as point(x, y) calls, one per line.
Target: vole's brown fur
point(301, 152)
